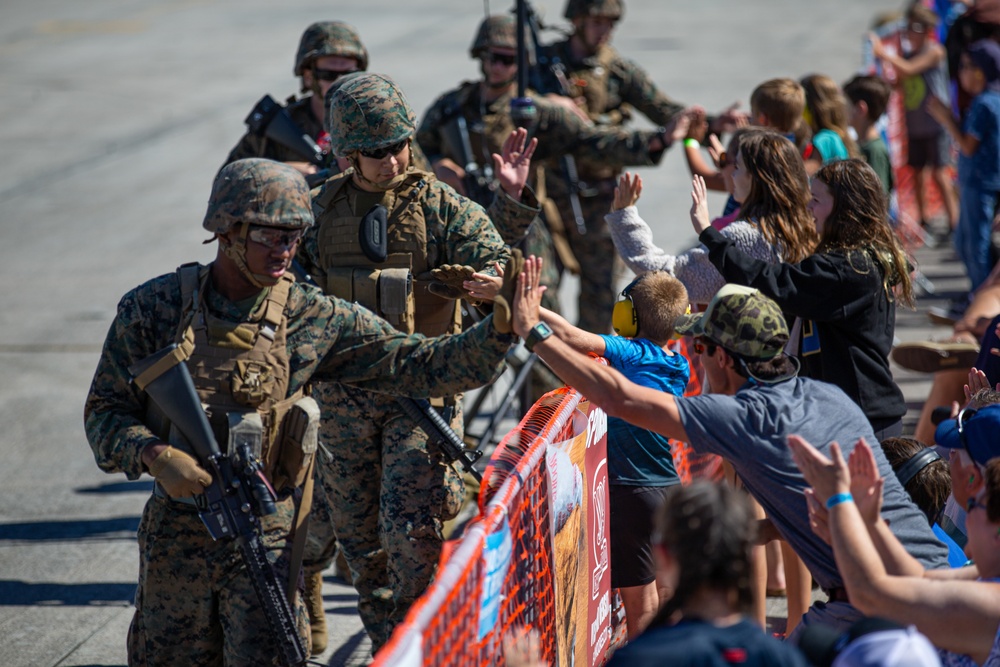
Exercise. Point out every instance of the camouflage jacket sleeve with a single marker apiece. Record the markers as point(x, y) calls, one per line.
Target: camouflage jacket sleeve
point(560, 132)
point(511, 217)
point(113, 415)
point(637, 89)
point(331, 339)
point(459, 230)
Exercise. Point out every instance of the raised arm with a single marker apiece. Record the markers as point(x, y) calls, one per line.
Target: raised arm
point(605, 387)
point(959, 616)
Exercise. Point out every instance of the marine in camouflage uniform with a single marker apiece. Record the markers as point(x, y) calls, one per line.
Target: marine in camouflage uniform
point(327, 49)
point(254, 339)
point(485, 108)
point(389, 490)
point(608, 87)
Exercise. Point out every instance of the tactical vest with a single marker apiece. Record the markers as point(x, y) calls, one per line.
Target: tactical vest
point(242, 368)
point(395, 289)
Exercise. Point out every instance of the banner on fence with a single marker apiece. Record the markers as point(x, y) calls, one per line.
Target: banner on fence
point(578, 482)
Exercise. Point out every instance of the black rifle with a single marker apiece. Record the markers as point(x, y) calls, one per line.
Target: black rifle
point(421, 411)
point(239, 494)
point(270, 119)
point(456, 141)
point(527, 18)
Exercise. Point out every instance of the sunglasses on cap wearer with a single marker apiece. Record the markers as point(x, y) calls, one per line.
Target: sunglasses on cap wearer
point(272, 237)
point(972, 503)
point(500, 58)
point(704, 346)
point(385, 151)
point(331, 75)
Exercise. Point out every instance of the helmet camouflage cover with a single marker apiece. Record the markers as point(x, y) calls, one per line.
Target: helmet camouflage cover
point(330, 38)
point(498, 30)
point(366, 112)
point(258, 192)
point(576, 9)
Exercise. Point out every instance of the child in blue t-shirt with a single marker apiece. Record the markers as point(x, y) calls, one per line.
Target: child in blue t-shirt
point(640, 463)
point(979, 155)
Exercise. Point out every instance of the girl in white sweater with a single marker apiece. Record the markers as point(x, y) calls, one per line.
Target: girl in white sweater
point(769, 180)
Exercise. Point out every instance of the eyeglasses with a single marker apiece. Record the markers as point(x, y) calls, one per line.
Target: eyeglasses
point(919, 28)
point(723, 161)
point(965, 415)
point(386, 151)
point(330, 74)
point(703, 346)
point(500, 59)
point(273, 237)
point(972, 503)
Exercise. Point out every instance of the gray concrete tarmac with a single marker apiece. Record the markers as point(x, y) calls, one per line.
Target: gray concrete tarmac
point(114, 117)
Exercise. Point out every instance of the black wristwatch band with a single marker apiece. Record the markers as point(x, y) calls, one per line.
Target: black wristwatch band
point(538, 333)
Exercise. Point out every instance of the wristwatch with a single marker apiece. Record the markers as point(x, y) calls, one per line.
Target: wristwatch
point(538, 333)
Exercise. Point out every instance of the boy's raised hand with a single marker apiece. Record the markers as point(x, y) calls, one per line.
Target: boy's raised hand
point(627, 191)
point(699, 205)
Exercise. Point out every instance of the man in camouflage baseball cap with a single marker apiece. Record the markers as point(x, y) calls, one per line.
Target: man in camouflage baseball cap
point(745, 323)
point(756, 402)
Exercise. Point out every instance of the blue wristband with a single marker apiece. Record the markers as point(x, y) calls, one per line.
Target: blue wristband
point(839, 498)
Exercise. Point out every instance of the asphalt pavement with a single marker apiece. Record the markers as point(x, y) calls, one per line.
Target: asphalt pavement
point(115, 116)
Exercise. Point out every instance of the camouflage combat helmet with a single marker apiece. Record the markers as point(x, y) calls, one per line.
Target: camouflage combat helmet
point(498, 30)
point(258, 192)
point(576, 9)
point(367, 112)
point(330, 38)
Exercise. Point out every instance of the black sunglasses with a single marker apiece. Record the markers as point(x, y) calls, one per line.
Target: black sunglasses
point(703, 346)
point(385, 151)
point(330, 75)
point(501, 59)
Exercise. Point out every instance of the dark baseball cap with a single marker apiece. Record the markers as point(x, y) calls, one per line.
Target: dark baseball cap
point(979, 430)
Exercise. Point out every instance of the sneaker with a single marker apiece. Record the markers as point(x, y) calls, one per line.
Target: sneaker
point(931, 357)
point(943, 316)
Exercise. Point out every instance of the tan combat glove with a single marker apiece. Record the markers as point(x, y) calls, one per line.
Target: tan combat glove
point(179, 473)
point(448, 280)
point(503, 304)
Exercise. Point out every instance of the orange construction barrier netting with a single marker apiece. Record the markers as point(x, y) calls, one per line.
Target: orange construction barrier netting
point(500, 575)
point(536, 556)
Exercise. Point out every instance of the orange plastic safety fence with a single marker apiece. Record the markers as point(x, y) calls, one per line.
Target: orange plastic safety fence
point(442, 628)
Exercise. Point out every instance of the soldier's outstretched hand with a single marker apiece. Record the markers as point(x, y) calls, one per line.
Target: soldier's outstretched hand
point(513, 164)
point(627, 191)
point(528, 298)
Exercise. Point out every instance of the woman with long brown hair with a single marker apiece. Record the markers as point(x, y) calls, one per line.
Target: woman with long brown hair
point(770, 182)
point(844, 295)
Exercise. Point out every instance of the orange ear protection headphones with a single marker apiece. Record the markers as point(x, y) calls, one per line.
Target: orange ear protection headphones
point(624, 319)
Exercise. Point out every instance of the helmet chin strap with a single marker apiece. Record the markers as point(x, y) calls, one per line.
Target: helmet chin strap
point(237, 251)
point(383, 186)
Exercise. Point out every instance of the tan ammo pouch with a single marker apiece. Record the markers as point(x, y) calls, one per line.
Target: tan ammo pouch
point(252, 382)
point(386, 292)
point(299, 440)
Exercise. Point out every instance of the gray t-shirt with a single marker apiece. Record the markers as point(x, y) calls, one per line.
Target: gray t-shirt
point(750, 430)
